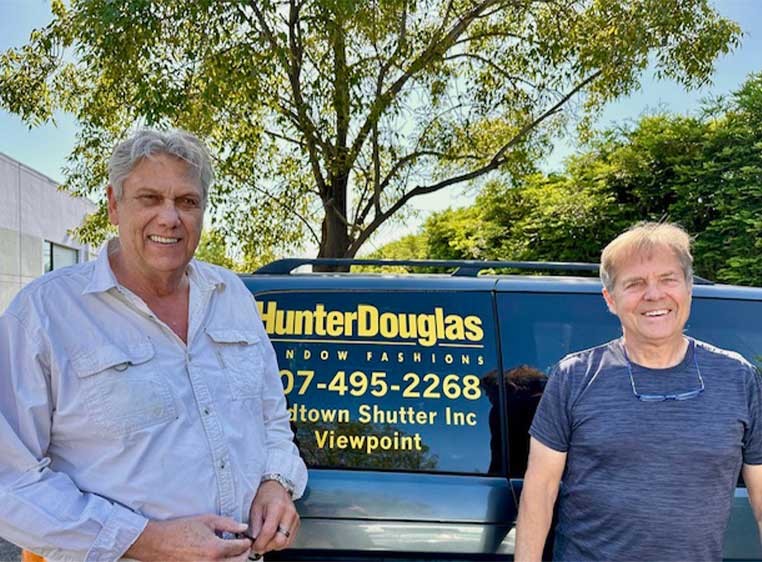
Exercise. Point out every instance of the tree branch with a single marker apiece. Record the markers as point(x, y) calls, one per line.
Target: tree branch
point(488, 34)
point(493, 164)
point(401, 42)
point(497, 68)
point(401, 163)
point(285, 205)
point(436, 48)
point(283, 137)
point(380, 186)
point(292, 66)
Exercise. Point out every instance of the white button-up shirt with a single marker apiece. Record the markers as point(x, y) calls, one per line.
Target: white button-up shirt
point(108, 419)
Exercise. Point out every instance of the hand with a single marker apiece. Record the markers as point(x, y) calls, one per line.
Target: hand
point(273, 518)
point(190, 538)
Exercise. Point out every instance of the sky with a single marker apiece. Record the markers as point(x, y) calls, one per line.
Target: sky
point(45, 148)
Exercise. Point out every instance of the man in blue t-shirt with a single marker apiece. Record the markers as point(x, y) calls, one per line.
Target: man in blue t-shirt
point(649, 431)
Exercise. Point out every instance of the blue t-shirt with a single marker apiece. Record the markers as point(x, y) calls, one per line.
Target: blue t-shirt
point(648, 480)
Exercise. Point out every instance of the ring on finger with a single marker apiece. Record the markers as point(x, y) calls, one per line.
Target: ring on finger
point(283, 531)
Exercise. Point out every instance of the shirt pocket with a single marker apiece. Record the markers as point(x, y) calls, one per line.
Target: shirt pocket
point(124, 391)
point(241, 357)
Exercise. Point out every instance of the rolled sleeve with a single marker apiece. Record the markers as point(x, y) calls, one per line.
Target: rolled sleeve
point(41, 509)
point(282, 454)
point(120, 531)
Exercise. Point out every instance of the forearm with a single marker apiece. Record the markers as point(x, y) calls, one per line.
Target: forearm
point(189, 538)
point(43, 511)
point(756, 507)
point(535, 515)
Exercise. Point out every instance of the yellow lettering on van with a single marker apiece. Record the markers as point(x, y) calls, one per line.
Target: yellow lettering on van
point(367, 320)
point(474, 331)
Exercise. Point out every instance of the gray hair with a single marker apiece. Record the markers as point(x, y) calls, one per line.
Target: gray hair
point(645, 237)
point(147, 143)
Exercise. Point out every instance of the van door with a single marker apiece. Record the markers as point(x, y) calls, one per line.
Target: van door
point(732, 324)
point(395, 401)
point(539, 327)
point(536, 330)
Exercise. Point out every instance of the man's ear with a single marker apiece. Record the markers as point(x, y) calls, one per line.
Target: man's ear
point(609, 301)
point(113, 214)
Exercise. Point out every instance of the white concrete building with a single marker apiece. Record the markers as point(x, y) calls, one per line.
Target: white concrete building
point(35, 219)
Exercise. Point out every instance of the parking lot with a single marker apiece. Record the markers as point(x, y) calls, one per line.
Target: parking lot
point(8, 552)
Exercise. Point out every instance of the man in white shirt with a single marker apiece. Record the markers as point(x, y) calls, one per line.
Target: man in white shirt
point(141, 411)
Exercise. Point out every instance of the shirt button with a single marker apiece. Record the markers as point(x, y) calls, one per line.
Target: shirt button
point(206, 411)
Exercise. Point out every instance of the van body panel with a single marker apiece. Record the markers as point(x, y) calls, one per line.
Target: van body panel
point(741, 536)
point(353, 510)
point(351, 540)
point(354, 513)
point(375, 496)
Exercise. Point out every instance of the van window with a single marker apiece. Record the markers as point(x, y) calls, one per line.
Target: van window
point(730, 324)
point(389, 380)
point(538, 329)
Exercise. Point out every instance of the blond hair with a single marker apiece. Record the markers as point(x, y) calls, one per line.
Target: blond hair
point(644, 237)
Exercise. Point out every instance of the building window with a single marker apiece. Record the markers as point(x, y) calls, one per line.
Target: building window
point(55, 256)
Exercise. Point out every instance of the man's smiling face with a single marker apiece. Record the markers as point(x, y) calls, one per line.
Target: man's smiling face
point(159, 216)
point(651, 297)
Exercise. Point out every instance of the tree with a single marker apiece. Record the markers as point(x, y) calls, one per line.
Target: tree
point(328, 116)
point(212, 248)
point(542, 218)
point(704, 172)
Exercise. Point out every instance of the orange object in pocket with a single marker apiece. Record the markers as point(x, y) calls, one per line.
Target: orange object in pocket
point(27, 556)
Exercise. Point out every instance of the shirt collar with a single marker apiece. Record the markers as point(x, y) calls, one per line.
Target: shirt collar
point(207, 277)
point(103, 279)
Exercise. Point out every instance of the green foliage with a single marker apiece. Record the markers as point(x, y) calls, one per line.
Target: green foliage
point(215, 248)
point(704, 173)
point(95, 228)
point(328, 116)
point(212, 248)
point(411, 247)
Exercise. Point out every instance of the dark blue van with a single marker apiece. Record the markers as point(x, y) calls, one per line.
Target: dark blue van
point(411, 396)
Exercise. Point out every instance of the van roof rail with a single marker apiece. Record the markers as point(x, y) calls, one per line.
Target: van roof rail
point(462, 268)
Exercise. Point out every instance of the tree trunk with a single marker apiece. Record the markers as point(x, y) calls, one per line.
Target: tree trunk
point(334, 235)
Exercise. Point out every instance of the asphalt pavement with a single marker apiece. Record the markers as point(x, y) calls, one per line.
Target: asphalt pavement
point(9, 552)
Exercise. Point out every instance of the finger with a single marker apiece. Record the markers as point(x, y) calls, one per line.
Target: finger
point(231, 548)
point(288, 528)
point(283, 537)
point(267, 533)
point(278, 542)
point(289, 524)
point(226, 524)
point(240, 558)
point(255, 523)
point(294, 531)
